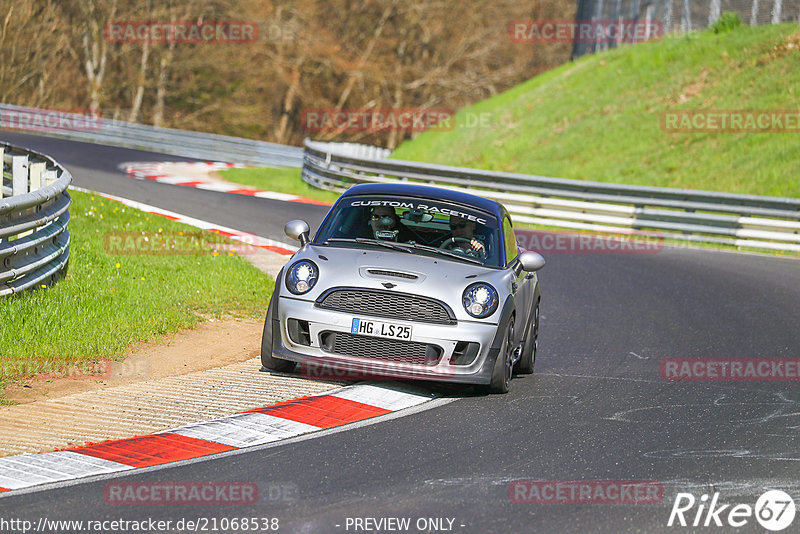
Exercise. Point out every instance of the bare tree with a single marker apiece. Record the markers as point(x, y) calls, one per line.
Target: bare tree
point(713, 11)
point(777, 7)
point(369, 54)
point(27, 76)
point(95, 46)
point(754, 13)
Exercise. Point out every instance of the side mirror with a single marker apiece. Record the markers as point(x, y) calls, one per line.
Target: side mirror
point(531, 261)
point(297, 229)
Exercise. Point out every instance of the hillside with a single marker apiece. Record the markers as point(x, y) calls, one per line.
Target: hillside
point(600, 118)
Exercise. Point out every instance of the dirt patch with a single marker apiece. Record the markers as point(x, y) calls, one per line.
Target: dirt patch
point(693, 88)
point(790, 45)
point(214, 343)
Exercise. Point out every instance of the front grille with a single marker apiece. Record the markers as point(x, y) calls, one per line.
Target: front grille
point(387, 304)
point(389, 350)
point(396, 274)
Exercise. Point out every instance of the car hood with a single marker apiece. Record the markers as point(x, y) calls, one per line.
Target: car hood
point(418, 273)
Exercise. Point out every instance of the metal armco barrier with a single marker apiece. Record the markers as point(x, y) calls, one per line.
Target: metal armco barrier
point(682, 214)
point(34, 204)
point(200, 145)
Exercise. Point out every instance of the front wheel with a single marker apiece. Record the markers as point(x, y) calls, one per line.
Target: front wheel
point(270, 363)
point(503, 366)
point(528, 358)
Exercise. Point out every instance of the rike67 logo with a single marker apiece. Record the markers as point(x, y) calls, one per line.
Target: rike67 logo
point(774, 511)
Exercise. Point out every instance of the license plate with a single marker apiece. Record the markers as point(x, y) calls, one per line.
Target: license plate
point(380, 329)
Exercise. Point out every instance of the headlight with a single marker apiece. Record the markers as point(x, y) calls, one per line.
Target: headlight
point(480, 300)
point(301, 277)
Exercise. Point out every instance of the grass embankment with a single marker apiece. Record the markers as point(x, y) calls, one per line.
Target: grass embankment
point(281, 180)
point(599, 118)
point(109, 301)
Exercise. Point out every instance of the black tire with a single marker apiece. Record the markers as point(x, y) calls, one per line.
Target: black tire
point(529, 347)
point(501, 374)
point(270, 363)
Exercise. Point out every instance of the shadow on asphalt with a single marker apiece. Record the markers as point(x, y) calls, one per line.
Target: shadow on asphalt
point(437, 389)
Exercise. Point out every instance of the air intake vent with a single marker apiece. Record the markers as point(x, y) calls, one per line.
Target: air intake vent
point(388, 304)
point(388, 350)
point(396, 274)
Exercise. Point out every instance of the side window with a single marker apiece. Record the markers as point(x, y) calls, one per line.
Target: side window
point(510, 241)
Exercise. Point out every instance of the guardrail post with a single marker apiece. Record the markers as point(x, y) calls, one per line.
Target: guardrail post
point(19, 175)
point(36, 175)
point(49, 177)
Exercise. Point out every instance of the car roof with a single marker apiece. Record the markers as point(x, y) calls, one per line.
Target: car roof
point(428, 192)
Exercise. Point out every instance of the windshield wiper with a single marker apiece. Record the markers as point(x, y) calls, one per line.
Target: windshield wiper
point(444, 252)
point(386, 244)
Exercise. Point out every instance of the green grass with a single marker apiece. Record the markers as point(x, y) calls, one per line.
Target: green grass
point(108, 302)
point(281, 180)
point(599, 118)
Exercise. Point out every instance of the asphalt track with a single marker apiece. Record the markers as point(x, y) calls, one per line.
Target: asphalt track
point(596, 409)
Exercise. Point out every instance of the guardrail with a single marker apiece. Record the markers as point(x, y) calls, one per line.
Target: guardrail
point(200, 145)
point(34, 212)
point(682, 214)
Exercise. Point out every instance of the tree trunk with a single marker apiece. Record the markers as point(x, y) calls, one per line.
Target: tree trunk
point(754, 13)
point(713, 12)
point(777, 7)
point(392, 142)
point(166, 59)
point(365, 56)
point(137, 99)
point(288, 103)
point(667, 16)
point(686, 18)
point(95, 51)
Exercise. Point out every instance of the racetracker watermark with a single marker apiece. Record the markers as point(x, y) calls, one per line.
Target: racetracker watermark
point(196, 493)
point(585, 492)
point(731, 121)
point(181, 32)
point(147, 524)
point(730, 369)
point(376, 120)
point(584, 31)
point(174, 243)
point(545, 242)
point(380, 370)
point(50, 120)
point(57, 369)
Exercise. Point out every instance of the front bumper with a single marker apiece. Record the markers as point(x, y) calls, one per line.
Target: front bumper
point(314, 359)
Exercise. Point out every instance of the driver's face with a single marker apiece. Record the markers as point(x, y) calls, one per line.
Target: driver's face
point(380, 212)
point(461, 227)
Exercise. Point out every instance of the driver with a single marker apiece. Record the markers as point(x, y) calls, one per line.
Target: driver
point(385, 225)
point(465, 229)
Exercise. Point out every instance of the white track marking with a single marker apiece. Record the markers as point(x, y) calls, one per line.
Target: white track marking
point(381, 397)
point(245, 430)
point(30, 469)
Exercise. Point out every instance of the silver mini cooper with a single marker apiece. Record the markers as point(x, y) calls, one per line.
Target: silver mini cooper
point(407, 281)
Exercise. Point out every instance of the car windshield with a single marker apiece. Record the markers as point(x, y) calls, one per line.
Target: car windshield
point(424, 226)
